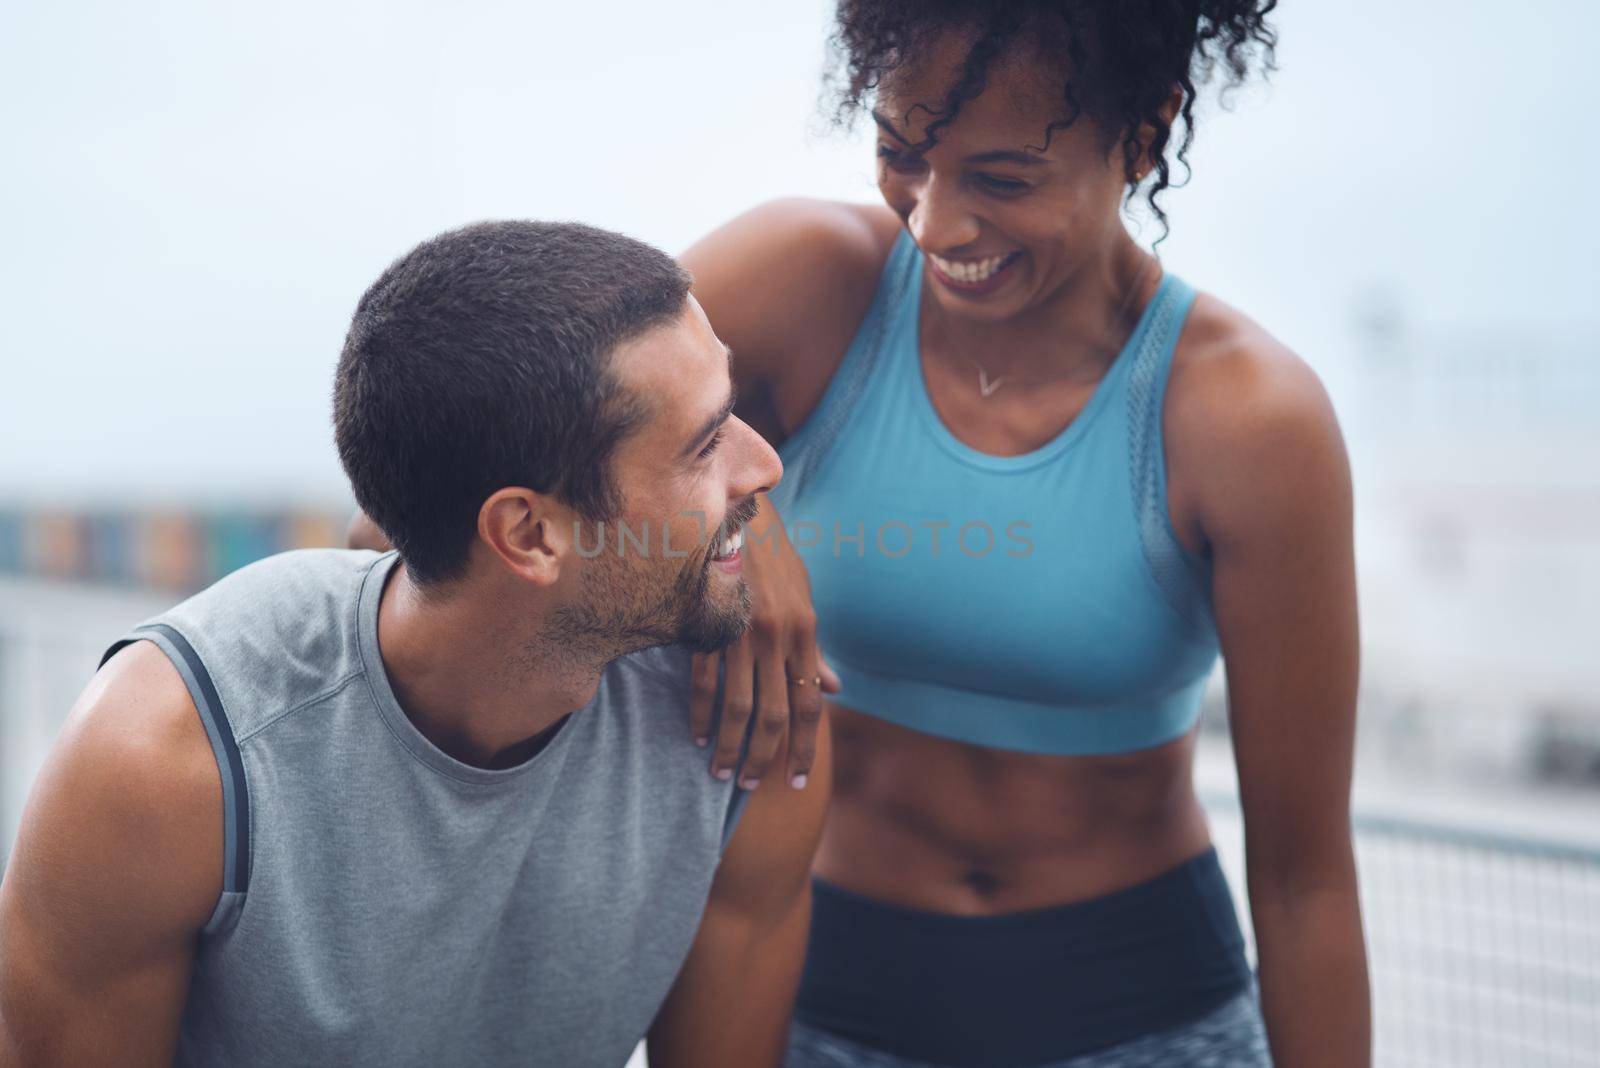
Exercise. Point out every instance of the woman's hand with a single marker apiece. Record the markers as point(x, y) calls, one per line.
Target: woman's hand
point(780, 646)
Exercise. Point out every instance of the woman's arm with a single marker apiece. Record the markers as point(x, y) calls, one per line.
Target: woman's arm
point(1272, 492)
point(731, 1003)
point(785, 286)
point(363, 533)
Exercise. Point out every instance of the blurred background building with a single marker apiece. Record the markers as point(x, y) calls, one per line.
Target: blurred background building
point(196, 195)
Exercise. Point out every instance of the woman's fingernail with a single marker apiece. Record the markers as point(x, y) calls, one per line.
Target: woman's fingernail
point(702, 742)
point(723, 773)
point(750, 784)
point(799, 781)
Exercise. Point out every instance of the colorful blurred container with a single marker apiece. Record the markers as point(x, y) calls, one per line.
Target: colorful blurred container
point(177, 551)
point(169, 554)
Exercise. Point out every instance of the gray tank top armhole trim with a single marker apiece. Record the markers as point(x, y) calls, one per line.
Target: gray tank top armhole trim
point(226, 914)
point(235, 794)
point(814, 440)
point(1184, 578)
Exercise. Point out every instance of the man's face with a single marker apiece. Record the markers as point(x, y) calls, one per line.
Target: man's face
point(658, 573)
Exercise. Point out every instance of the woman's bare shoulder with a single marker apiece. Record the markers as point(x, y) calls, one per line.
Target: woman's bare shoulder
point(1227, 366)
point(1242, 409)
point(785, 285)
point(791, 247)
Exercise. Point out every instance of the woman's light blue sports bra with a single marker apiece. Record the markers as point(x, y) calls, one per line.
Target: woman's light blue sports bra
point(1038, 602)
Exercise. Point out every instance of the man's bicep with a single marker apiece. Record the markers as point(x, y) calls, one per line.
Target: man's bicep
point(117, 866)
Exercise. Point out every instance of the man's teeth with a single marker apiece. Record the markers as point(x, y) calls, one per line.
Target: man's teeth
point(970, 270)
point(731, 545)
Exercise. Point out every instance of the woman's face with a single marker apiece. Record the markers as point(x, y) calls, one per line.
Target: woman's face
point(1003, 226)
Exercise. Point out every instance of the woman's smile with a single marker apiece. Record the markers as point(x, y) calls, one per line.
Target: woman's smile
point(974, 277)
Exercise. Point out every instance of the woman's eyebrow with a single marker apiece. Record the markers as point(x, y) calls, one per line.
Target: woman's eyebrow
point(883, 123)
point(1007, 156)
point(999, 155)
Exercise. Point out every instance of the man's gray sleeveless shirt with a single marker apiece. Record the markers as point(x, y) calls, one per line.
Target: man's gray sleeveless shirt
point(385, 904)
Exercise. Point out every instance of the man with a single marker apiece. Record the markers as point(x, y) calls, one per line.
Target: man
point(438, 806)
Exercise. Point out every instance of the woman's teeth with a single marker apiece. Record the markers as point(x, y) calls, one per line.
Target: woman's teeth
point(731, 545)
point(971, 271)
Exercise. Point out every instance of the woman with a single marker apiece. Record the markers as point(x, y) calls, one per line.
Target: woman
point(1034, 485)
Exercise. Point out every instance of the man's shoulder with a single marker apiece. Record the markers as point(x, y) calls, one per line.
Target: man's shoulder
point(276, 633)
point(653, 686)
point(131, 793)
point(136, 723)
point(117, 866)
point(646, 694)
point(300, 592)
point(292, 574)
point(666, 664)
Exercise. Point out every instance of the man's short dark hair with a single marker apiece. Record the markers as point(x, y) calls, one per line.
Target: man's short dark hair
point(481, 359)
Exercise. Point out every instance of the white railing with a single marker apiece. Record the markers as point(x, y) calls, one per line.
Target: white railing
point(1484, 946)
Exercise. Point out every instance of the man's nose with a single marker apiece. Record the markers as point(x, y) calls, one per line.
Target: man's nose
point(762, 470)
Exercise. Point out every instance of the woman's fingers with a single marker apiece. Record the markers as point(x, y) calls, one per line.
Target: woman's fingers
point(738, 684)
point(772, 717)
point(774, 672)
point(702, 695)
point(830, 678)
point(805, 706)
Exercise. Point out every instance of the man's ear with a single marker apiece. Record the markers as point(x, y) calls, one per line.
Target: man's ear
point(530, 533)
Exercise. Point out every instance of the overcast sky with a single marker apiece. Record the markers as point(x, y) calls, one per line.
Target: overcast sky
point(196, 193)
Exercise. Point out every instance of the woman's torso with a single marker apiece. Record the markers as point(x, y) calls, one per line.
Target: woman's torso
point(941, 824)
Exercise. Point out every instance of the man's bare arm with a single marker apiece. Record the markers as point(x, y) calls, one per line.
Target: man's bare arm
point(731, 1004)
point(117, 867)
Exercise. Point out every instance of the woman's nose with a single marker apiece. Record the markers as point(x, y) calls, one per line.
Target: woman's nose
point(939, 220)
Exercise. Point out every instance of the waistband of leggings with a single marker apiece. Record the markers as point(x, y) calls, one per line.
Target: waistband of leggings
point(1023, 988)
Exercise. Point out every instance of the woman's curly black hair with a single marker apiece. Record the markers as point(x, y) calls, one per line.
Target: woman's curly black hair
point(1120, 60)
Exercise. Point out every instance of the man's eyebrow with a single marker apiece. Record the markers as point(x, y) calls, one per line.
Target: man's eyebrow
point(1026, 159)
point(720, 416)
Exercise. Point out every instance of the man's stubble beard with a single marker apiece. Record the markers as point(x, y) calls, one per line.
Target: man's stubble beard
point(627, 608)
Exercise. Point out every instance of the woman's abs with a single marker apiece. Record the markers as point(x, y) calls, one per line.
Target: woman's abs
point(934, 824)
